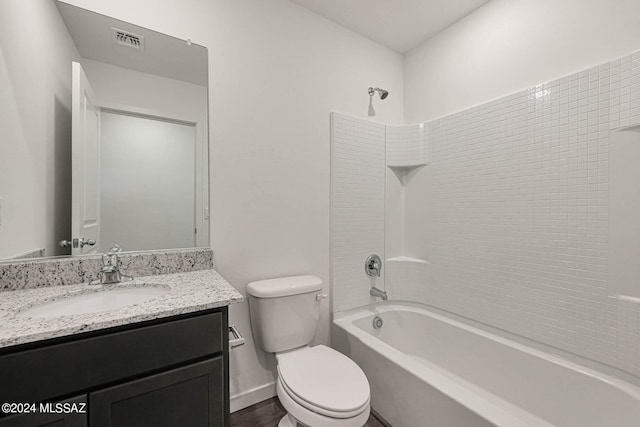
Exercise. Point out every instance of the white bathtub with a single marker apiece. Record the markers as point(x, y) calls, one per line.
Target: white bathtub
point(426, 369)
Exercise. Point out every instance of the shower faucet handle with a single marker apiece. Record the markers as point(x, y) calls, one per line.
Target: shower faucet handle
point(373, 265)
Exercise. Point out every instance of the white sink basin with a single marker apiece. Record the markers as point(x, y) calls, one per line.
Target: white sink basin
point(94, 302)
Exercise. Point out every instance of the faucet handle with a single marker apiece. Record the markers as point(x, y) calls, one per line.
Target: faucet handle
point(109, 260)
point(110, 272)
point(111, 257)
point(115, 249)
point(373, 265)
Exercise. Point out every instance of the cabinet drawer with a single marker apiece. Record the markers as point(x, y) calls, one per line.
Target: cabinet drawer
point(63, 369)
point(189, 396)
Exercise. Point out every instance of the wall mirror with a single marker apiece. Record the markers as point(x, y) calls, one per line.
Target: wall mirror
point(103, 134)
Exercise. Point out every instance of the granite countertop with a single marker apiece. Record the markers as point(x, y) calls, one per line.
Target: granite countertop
point(188, 292)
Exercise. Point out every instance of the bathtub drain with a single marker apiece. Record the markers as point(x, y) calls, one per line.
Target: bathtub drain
point(377, 322)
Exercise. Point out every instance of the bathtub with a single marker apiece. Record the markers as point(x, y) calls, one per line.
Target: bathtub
point(428, 369)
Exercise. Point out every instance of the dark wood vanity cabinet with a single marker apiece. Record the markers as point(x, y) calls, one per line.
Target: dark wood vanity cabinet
point(49, 419)
point(187, 396)
point(168, 372)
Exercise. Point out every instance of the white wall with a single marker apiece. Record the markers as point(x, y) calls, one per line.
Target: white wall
point(35, 150)
point(276, 70)
point(509, 45)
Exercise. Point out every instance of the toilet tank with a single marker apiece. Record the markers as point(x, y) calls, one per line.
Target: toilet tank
point(284, 312)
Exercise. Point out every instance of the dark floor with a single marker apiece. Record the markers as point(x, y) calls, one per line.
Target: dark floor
point(268, 414)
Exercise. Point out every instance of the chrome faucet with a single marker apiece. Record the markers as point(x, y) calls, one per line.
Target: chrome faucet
point(375, 292)
point(373, 265)
point(110, 272)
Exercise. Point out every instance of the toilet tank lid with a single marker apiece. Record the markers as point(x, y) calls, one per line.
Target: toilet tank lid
point(284, 286)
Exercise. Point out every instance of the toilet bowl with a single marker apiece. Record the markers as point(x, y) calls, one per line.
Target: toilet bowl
point(318, 386)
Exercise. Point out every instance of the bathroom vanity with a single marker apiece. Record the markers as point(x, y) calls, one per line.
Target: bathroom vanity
point(161, 362)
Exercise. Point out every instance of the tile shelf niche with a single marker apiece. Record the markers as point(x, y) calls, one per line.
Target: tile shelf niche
point(632, 128)
point(405, 173)
point(406, 150)
point(403, 258)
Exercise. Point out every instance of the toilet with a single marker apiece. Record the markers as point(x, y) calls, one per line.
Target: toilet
point(318, 386)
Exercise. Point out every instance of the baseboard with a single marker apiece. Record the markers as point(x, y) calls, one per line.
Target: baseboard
point(251, 397)
point(379, 417)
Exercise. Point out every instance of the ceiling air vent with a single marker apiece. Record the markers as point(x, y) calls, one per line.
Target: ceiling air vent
point(125, 38)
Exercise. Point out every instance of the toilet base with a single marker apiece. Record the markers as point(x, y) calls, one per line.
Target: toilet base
point(287, 421)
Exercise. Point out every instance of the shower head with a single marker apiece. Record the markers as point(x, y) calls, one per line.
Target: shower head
point(383, 93)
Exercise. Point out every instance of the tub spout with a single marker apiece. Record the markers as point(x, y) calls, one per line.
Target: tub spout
point(375, 292)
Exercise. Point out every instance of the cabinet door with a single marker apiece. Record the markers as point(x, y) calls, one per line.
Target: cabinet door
point(189, 396)
point(50, 420)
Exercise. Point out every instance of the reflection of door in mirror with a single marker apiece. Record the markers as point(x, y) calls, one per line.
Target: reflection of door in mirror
point(134, 177)
point(148, 182)
point(85, 152)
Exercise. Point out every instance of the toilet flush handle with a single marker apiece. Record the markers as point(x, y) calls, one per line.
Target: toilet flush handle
point(235, 338)
point(320, 297)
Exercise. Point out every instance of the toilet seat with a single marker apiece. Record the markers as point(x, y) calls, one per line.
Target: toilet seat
point(319, 410)
point(298, 414)
point(324, 381)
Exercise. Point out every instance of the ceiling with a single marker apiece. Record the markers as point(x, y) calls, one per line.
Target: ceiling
point(163, 55)
point(398, 24)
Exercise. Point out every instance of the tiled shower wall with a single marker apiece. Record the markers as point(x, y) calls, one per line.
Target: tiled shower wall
point(518, 213)
point(357, 207)
point(405, 145)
